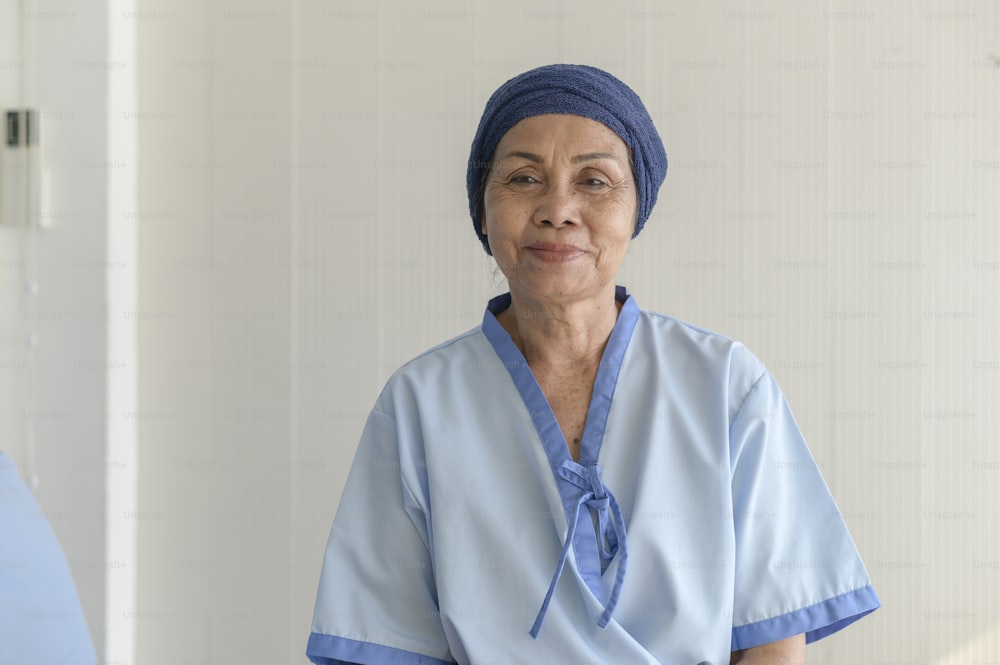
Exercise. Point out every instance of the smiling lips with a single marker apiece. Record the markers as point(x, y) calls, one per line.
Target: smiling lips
point(554, 252)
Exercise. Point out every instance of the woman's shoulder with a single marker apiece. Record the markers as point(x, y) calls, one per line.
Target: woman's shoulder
point(703, 356)
point(456, 345)
point(454, 364)
point(678, 335)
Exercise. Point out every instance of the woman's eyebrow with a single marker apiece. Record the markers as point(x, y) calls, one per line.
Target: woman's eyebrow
point(530, 156)
point(591, 156)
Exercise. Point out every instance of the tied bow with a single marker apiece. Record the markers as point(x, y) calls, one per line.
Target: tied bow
point(596, 496)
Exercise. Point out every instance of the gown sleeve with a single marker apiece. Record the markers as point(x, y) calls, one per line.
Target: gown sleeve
point(377, 601)
point(797, 569)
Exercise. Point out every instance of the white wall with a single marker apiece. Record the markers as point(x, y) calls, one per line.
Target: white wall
point(831, 201)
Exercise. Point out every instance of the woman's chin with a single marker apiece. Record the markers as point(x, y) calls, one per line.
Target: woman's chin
point(556, 288)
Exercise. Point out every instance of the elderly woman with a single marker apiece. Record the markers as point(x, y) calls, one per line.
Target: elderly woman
point(578, 480)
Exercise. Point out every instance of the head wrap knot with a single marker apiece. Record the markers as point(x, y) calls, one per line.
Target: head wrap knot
point(575, 90)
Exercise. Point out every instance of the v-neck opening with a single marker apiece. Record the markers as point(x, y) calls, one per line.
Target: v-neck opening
point(539, 407)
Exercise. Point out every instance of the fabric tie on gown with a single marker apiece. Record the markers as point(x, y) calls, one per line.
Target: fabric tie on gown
point(610, 533)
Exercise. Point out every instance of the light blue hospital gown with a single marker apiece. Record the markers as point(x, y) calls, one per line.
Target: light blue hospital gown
point(696, 522)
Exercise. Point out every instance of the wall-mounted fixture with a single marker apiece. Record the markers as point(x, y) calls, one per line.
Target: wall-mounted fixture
point(19, 169)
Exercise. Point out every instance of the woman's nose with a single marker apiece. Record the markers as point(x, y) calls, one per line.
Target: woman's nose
point(558, 205)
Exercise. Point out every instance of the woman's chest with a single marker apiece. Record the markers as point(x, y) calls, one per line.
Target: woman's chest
point(569, 399)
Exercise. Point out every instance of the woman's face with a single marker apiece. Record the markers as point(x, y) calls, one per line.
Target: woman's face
point(560, 207)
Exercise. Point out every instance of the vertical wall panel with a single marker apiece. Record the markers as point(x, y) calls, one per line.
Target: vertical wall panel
point(54, 361)
point(214, 343)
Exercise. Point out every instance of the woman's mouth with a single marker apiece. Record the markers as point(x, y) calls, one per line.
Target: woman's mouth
point(552, 252)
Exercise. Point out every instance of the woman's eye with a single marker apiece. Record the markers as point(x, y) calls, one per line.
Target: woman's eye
point(594, 182)
point(524, 179)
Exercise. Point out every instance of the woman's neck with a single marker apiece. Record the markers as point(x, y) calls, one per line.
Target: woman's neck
point(567, 336)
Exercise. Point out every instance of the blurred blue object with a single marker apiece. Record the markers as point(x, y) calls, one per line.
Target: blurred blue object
point(41, 622)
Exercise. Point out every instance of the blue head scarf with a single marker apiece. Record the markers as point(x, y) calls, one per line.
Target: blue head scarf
point(575, 90)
